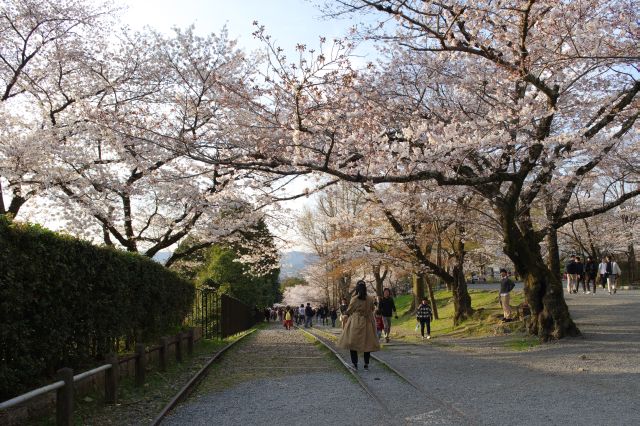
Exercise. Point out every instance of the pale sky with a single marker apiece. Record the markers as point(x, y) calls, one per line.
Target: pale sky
point(287, 21)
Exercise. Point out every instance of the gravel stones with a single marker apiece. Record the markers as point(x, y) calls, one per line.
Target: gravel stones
point(275, 377)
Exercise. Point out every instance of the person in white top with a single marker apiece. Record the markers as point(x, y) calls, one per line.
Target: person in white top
point(613, 273)
point(602, 270)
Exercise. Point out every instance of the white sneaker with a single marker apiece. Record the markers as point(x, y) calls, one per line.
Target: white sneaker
point(428, 336)
point(422, 337)
point(588, 292)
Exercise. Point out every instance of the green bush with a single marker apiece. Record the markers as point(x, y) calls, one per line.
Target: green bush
point(66, 303)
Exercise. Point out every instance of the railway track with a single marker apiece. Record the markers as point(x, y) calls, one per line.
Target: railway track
point(186, 390)
point(447, 413)
point(398, 399)
point(266, 379)
point(346, 365)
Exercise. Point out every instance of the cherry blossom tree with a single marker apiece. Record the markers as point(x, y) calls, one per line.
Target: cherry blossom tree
point(43, 46)
point(518, 100)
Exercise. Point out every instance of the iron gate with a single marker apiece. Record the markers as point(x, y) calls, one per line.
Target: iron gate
point(220, 315)
point(206, 313)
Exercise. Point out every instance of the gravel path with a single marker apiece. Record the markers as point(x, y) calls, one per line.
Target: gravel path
point(405, 404)
point(593, 380)
point(277, 377)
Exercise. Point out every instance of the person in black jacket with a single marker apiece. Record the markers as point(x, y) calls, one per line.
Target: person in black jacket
point(388, 308)
point(590, 274)
point(572, 276)
point(308, 314)
point(506, 285)
point(333, 314)
point(423, 315)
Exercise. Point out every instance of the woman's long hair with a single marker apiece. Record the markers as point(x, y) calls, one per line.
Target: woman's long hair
point(361, 290)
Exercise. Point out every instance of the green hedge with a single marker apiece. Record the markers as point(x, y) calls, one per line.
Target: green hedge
point(66, 303)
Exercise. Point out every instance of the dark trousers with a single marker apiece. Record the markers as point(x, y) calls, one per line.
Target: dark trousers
point(591, 279)
point(581, 279)
point(423, 322)
point(603, 280)
point(354, 357)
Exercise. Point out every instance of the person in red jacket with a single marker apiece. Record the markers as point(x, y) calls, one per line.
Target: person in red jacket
point(379, 324)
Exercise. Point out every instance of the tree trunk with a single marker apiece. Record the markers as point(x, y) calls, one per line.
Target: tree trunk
point(432, 297)
point(554, 253)
point(379, 279)
point(417, 290)
point(439, 261)
point(461, 298)
point(2, 208)
point(633, 265)
point(550, 318)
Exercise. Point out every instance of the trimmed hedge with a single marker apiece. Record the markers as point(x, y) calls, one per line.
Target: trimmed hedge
point(66, 303)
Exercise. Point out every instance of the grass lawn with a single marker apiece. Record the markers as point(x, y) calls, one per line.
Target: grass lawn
point(486, 303)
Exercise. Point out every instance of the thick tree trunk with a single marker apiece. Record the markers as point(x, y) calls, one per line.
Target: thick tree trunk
point(417, 282)
point(432, 297)
point(379, 279)
point(550, 318)
point(461, 298)
point(345, 283)
point(553, 252)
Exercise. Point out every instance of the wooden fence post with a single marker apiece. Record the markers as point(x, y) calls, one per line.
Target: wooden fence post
point(179, 347)
point(162, 354)
point(190, 336)
point(111, 377)
point(141, 364)
point(64, 398)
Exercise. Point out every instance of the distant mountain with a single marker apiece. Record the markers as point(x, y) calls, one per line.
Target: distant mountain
point(293, 262)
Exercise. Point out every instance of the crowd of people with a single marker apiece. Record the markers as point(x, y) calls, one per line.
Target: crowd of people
point(302, 315)
point(365, 320)
point(589, 274)
point(384, 309)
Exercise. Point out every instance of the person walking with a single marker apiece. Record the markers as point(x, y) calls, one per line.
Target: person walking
point(288, 319)
point(423, 315)
point(613, 274)
point(506, 285)
point(379, 324)
point(572, 276)
point(324, 313)
point(359, 333)
point(590, 274)
point(308, 316)
point(343, 310)
point(333, 314)
point(300, 314)
point(580, 275)
point(602, 270)
point(388, 308)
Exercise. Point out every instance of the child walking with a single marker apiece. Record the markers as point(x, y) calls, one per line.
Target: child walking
point(379, 324)
point(423, 315)
point(288, 320)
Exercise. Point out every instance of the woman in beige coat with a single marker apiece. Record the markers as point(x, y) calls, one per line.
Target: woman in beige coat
point(359, 334)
